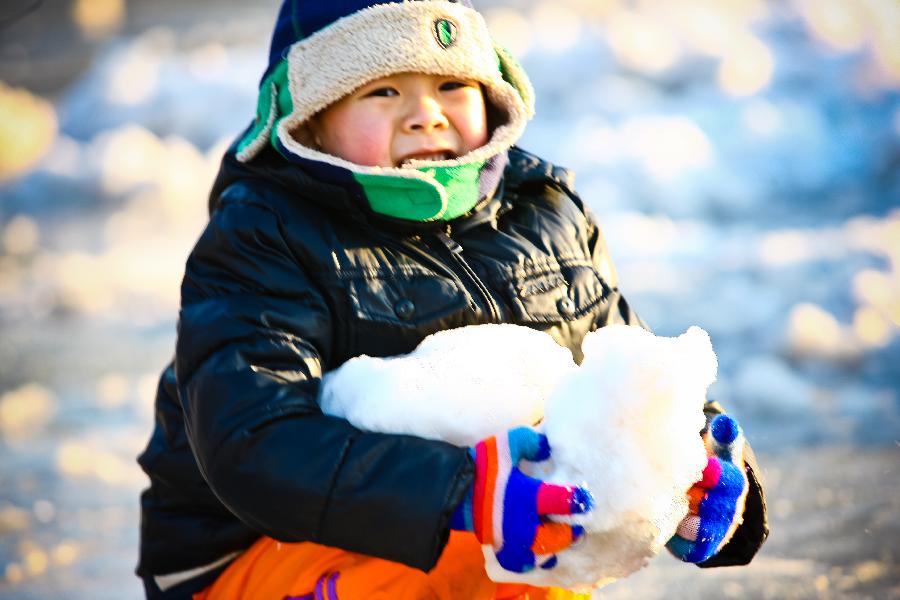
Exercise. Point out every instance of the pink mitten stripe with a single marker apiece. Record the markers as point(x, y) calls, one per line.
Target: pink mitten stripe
point(554, 499)
point(711, 473)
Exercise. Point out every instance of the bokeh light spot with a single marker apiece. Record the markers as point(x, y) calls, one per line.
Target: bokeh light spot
point(65, 553)
point(840, 23)
point(557, 26)
point(92, 461)
point(36, 561)
point(785, 247)
point(875, 288)
point(15, 574)
point(813, 331)
point(113, 390)
point(208, 61)
point(873, 330)
point(511, 30)
point(135, 78)
point(12, 276)
point(84, 284)
point(73, 459)
point(21, 235)
point(747, 69)
point(97, 18)
point(146, 394)
point(703, 26)
point(666, 146)
point(25, 411)
point(129, 156)
point(13, 518)
point(642, 43)
point(28, 125)
point(762, 118)
point(44, 511)
point(887, 50)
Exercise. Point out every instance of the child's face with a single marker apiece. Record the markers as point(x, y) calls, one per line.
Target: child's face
point(409, 115)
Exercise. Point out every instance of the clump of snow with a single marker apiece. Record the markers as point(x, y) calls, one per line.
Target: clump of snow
point(460, 385)
point(625, 424)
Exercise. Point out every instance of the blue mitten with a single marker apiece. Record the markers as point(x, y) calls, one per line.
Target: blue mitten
point(507, 508)
point(717, 500)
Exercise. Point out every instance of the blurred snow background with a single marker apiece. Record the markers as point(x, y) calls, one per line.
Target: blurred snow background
point(744, 159)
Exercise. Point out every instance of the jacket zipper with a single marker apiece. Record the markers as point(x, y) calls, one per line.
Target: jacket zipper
point(445, 237)
point(408, 246)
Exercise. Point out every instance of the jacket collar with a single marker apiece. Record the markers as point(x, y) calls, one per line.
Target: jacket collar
point(313, 182)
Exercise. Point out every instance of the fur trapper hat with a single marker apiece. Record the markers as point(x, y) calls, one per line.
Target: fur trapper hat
point(322, 51)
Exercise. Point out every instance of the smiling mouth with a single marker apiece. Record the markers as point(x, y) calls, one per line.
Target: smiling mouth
point(428, 157)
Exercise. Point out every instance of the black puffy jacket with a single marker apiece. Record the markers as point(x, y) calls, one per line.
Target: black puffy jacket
point(291, 278)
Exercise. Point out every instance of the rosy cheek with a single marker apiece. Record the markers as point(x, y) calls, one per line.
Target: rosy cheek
point(357, 137)
point(478, 134)
point(370, 146)
point(473, 126)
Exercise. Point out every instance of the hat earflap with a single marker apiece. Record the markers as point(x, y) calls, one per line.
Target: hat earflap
point(513, 74)
point(273, 105)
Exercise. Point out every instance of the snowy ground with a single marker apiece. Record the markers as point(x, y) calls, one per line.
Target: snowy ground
point(743, 158)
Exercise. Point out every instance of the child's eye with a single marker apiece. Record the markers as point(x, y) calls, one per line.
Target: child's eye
point(449, 86)
point(383, 92)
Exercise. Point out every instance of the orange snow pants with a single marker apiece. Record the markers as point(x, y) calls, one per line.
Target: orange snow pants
point(271, 570)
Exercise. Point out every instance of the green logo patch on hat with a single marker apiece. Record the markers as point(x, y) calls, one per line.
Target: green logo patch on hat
point(445, 32)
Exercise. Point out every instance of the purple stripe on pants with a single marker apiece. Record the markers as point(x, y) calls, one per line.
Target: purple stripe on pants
point(326, 589)
point(332, 586)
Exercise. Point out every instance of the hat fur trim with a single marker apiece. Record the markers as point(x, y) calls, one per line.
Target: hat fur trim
point(387, 39)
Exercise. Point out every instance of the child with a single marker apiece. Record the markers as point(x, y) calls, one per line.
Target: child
point(377, 198)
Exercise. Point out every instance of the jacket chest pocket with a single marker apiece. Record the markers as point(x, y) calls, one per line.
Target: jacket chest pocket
point(557, 294)
point(564, 301)
point(390, 314)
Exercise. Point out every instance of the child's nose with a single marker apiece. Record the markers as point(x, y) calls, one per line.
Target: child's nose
point(426, 114)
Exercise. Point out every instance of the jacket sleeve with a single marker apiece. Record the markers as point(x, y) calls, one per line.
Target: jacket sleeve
point(253, 334)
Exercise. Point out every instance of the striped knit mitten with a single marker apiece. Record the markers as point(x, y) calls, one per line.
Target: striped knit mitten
point(507, 508)
point(717, 500)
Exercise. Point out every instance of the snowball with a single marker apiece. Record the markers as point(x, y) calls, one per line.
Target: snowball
point(460, 385)
point(625, 424)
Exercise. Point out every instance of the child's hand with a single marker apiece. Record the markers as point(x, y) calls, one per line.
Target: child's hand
point(506, 508)
point(717, 500)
